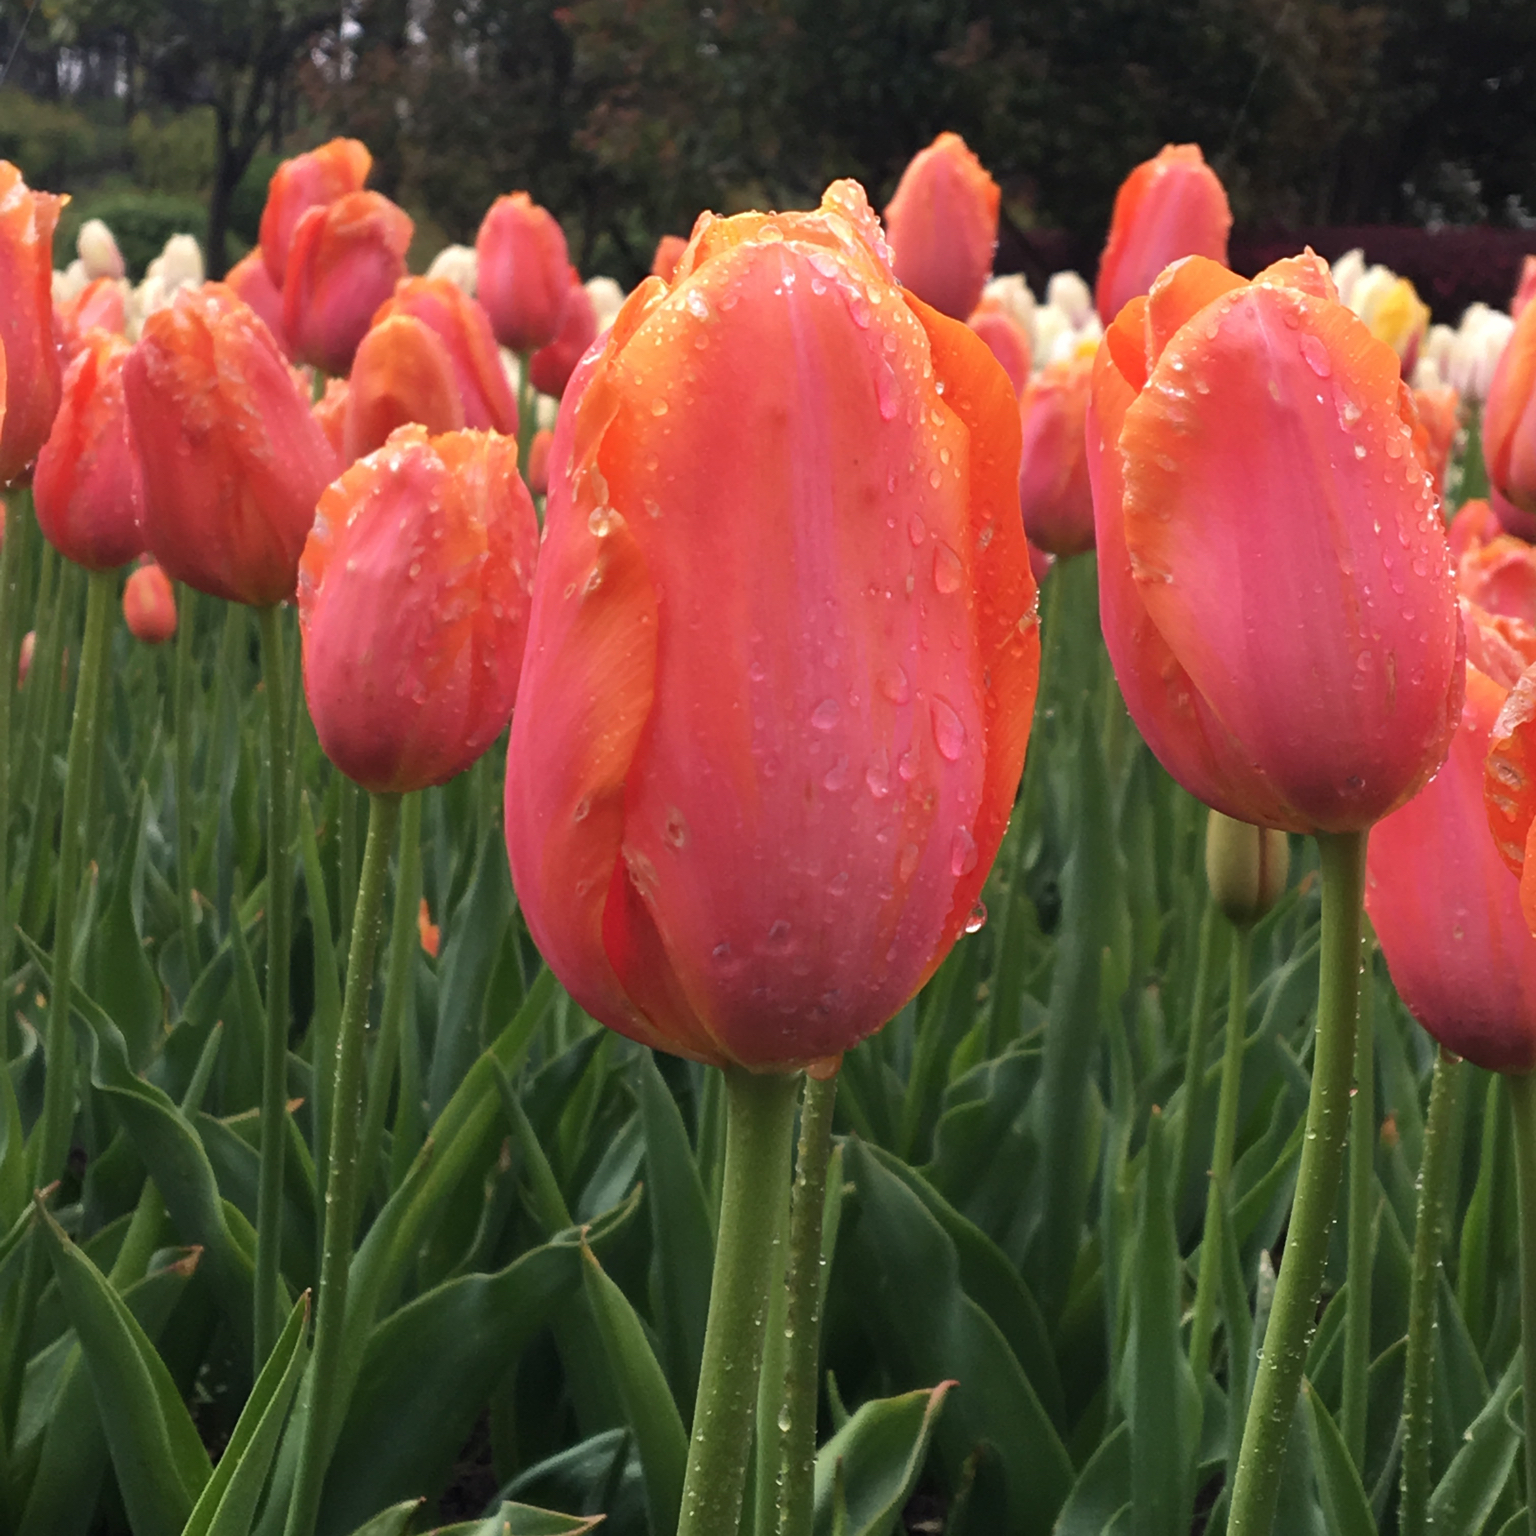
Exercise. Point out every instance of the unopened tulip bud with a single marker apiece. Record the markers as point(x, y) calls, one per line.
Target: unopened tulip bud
point(149, 605)
point(460, 323)
point(750, 806)
point(1169, 207)
point(942, 226)
point(1054, 494)
point(1256, 467)
point(402, 374)
point(98, 250)
point(87, 487)
point(304, 182)
point(233, 461)
point(524, 272)
point(413, 603)
point(343, 263)
point(1246, 866)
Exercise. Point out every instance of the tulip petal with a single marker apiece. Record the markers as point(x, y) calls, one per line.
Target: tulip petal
point(1007, 619)
point(1172, 717)
point(1180, 292)
point(1320, 601)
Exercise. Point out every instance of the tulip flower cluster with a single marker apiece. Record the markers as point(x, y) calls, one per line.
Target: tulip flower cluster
point(764, 683)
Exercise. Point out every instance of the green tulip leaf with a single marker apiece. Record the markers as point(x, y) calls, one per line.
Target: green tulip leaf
point(873, 1462)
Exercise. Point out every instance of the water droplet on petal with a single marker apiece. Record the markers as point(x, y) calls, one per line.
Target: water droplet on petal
point(826, 714)
point(962, 852)
point(948, 729)
point(948, 573)
point(978, 918)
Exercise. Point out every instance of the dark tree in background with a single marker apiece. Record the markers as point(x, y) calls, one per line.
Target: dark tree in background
point(628, 116)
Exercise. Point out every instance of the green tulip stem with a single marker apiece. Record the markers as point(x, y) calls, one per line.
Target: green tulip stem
point(186, 899)
point(341, 1175)
point(1261, 1459)
point(760, 1123)
point(51, 1138)
point(10, 563)
point(802, 1315)
point(1362, 1210)
point(1522, 1103)
point(274, 1068)
point(527, 411)
point(404, 942)
point(1218, 1193)
point(1423, 1295)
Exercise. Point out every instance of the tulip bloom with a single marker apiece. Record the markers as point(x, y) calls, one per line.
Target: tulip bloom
point(1054, 493)
point(1509, 422)
point(87, 487)
point(1274, 583)
point(1445, 907)
point(402, 374)
point(344, 262)
point(149, 605)
point(413, 602)
point(233, 461)
point(250, 282)
point(485, 394)
point(1170, 206)
point(942, 225)
point(783, 650)
point(32, 369)
point(1008, 340)
point(524, 272)
point(307, 181)
point(550, 368)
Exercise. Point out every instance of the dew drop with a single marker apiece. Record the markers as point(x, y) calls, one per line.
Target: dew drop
point(948, 729)
point(837, 775)
point(826, 714)
point(907, 865)
point(947, 569)
point(962, 852)
point(894, 684)
point(978, 918)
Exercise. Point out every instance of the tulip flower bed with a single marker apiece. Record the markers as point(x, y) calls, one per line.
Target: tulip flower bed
point(702, 1002)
